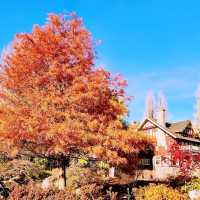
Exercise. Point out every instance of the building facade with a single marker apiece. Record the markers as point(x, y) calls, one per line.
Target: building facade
point(160, 165)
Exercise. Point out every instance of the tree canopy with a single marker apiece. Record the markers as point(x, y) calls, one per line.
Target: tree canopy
point(55, 101)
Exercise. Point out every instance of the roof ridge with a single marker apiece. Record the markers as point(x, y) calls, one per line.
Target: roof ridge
point(187, 120)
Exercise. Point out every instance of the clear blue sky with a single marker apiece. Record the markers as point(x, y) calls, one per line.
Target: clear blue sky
point(155, 44)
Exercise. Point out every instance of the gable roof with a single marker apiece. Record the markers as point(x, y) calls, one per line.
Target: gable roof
point(172, 129)
point(178, 127)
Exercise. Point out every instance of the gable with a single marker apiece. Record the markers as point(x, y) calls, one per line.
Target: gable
point(151, 124)
point(148, 125)
point(155, 131)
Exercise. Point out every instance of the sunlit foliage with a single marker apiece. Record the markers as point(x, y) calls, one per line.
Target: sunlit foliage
point(55, 101)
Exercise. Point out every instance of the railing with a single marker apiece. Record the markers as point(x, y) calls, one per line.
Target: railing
point(192, 148)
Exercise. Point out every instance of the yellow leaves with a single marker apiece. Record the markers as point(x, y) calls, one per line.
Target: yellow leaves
point(103, 165)
point(159, 192)
point(83, 161)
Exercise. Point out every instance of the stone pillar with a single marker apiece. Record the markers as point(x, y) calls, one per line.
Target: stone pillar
point(112, 172)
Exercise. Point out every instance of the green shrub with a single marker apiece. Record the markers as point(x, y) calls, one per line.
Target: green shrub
point(40, 161)
point(191, 185)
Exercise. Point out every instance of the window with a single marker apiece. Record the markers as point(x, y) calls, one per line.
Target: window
point(190, 147)
point(151, 133)
point(158, 160)
point(145, 161)
point(195, 148)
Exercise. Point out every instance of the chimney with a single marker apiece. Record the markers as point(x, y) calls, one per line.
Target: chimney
point(162, 117)
point(150, 106)
point(162, 110)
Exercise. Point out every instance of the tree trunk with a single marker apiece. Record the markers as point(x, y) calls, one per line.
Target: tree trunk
point(64, 165)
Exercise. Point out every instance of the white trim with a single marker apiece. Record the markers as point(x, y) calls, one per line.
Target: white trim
point(166, 131)
point(156, 124)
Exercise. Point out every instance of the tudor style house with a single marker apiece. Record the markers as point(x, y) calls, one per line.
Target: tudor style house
point(159, 165)
point(164, 135)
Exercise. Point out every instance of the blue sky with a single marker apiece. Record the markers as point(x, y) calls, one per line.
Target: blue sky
point(155, 44)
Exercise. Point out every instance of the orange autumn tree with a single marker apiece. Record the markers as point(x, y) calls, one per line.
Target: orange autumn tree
point(54, 101)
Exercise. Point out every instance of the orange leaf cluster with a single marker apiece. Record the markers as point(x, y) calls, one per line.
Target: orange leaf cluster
point(53, 100)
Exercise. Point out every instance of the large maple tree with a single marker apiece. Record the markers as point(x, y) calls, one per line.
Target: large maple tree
point(55, 101)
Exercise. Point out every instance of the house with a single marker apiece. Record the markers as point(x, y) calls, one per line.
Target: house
point(159, 165)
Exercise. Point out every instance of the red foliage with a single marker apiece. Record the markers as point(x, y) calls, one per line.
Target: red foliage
point(185, 159)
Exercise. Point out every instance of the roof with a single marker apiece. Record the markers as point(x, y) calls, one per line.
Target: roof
point(178, 127)
point(172, 129)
